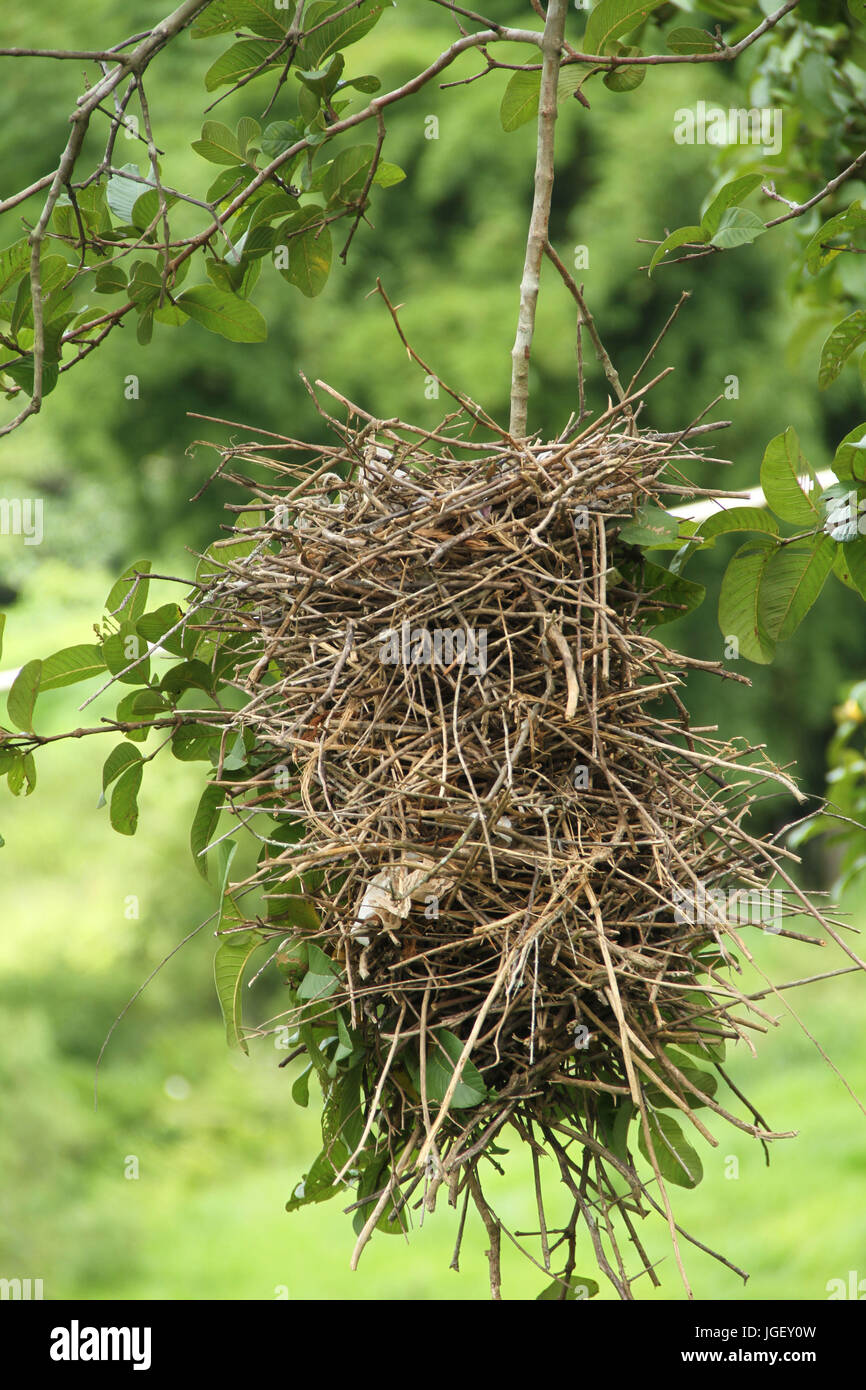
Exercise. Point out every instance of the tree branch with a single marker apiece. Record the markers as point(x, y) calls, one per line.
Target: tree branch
point(725, 54)
point(551, 48)
point(586, 319)
point(134, 62)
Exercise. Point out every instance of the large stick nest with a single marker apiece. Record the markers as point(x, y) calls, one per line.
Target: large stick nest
point(514, 845)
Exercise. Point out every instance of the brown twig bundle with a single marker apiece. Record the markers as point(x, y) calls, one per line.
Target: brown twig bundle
point(526, 868)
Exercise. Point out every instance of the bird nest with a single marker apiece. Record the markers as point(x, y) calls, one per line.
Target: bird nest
point(507, 880)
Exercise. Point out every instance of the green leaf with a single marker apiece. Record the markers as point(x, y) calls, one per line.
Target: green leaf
point(217, 18)
point(22, 696)
point(323, 81)
point(237, 62)
point(54, 273)
point(22, 373)
point(226, 314)
point(340, 33)
point(225, 853)
point(188, 675)
point(318, 1184)
point(705, 1082)
point(229, 964)
point(144, 327)
point(844, 339)
point(123, 192)
point(310, 256)
point(248, 135)
point(679, 596)
point(652, 529)
point(269, 209)
point(705, 1050)
point(195, 742)
point(677, 1161)
point(70, 665)
point(153, 627)
point(205, 823)
point(739, 608)
point(611, 18)
point(818, 252)
point(850, 457)
point(688, 40)
point(146, 208)
point(784, 470)
point(373, 1179)
point(791, 583)
point(92, 210)
point(443, 1053)
point(121, 757)
point(842, 571)
point(730, 519)
point(2, 627)
point(346, 175)
point(14, 260)
point(128, 597)
point(228, 185)
point(123, 811)
point(125, 655)
point(855, 561)
point(681, 237)
point(301, 1086)
point(726, 197)
point(218, 144)
point(623, 1116)
point(140, 705)
point(627, 78)
point(322, 978)
point(367, 83)
point(110, 279)
point(279, 136)
point(342, 1116)
point(15, 776)
point(520, 100)
point(260, 16)
point(577, 1288)
point(28, 765)
point(737, 227)
point(22, 370)
point(387, 175)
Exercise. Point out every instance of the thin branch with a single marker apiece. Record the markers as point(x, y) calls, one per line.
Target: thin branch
point(368, 183)
point(586, 319)
point(480, 416)
point(554, 33)
point(726, 54)
point(799, 208)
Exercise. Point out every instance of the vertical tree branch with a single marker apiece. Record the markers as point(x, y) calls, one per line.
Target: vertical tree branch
point(551, 48)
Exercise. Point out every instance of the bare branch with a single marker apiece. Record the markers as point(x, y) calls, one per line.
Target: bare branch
point(586, 319)
point(554, 32)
